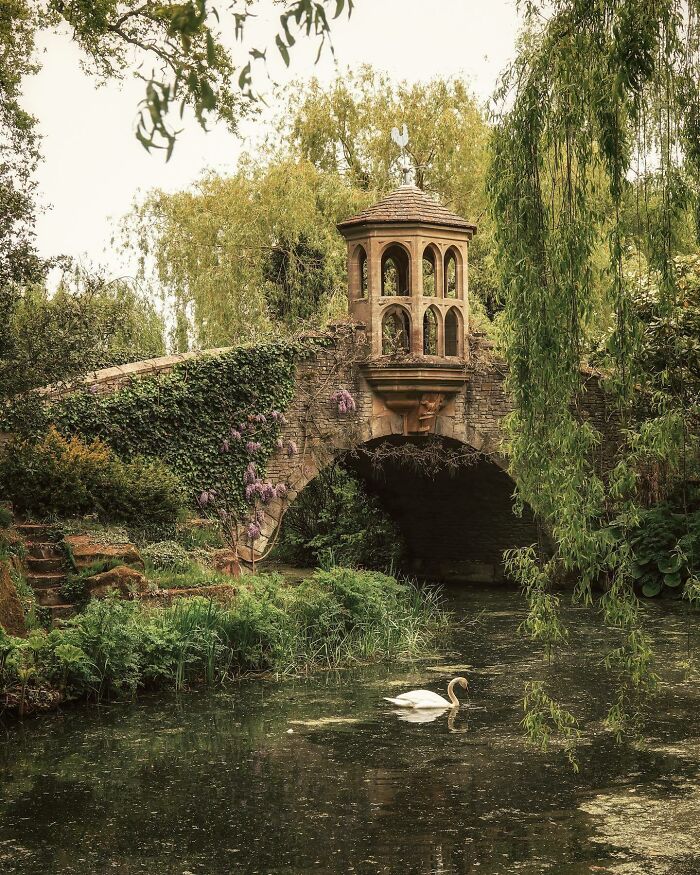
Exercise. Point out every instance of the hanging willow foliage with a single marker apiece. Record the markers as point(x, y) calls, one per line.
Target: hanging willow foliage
point(595, 171)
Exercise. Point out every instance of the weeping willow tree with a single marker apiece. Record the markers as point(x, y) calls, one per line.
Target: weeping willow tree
point(594, 184)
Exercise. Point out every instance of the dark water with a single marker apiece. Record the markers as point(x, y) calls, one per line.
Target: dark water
point(216, 782)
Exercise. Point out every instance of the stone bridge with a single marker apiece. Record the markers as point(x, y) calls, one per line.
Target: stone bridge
point(450, 494)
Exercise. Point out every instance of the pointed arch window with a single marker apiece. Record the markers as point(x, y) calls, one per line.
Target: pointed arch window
point(451, 274)
point(362, 272)
point(396, 331)
point(453, 346)
point(395, 271)
point(429, 272)
point(430, 332)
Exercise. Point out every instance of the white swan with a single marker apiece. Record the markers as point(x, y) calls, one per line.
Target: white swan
point(428, 699)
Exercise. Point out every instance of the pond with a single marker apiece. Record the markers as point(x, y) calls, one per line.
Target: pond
point(317, 775)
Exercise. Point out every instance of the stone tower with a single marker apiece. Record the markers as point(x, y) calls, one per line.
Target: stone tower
point(408, 283)
point(408, 275)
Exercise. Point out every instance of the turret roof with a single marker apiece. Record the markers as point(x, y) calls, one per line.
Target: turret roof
point(408, 204)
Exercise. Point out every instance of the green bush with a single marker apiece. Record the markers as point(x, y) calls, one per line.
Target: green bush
point(74, 589)
point(335, 521)
point(666, 548)
point(166, 556)
point(194, 576)
point(116, 647)
point(5, 517)
point(67, 478)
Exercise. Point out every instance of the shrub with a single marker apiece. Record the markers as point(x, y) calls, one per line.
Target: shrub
point(5, 517)
point(666, 548)
point(335, 521)
point(117, 647)
point(74, 589)
point(167, 556)
point(67, 477)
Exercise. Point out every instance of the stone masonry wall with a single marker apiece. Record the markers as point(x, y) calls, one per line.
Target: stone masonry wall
point(472, 417)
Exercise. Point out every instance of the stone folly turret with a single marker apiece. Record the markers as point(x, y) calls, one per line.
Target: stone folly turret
point(408, 275)
point(408, 283)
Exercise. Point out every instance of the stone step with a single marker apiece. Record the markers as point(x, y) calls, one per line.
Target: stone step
point(46, 564)
point(45, 550)
point(49, 597)
point(46, 580)
point(61, 612)
point(39, 531)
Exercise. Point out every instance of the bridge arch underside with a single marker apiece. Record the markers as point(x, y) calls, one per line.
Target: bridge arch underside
point(456, 519)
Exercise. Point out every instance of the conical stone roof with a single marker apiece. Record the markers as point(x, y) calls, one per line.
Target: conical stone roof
point(408, 205)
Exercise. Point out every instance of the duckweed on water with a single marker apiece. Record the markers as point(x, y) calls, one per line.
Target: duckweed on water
point(113, 648)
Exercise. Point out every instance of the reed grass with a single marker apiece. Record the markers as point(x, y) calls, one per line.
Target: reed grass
point(336, 617)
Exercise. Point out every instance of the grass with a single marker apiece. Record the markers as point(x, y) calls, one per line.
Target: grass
point(194, 576)
point(334, 618)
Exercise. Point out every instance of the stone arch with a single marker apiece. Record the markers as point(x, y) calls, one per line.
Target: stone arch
point(396, 330)
point(395, 271)
point(477, 506)
point(297, 472)
point(429, 268)
point(452, 286)
point(454, 332)
point(432, 331)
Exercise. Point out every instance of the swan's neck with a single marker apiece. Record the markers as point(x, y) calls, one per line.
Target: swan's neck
point(451, 692)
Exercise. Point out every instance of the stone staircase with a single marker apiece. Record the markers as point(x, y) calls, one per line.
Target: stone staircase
point(47, 567)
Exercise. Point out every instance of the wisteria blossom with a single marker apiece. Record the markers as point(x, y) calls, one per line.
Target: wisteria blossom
point(344, 401)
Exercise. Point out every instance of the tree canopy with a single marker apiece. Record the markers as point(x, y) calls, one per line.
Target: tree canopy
point(241, 254)
point(595, 173)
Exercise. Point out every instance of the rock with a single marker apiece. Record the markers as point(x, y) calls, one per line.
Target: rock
point(11, 611)
point(86, 551)
point(226, 561)
point(217, 592)
point(125, 580)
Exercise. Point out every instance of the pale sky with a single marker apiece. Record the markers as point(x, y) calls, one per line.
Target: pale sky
point(93, 166)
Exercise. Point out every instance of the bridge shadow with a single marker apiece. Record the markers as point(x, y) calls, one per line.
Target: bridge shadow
point(453, 505)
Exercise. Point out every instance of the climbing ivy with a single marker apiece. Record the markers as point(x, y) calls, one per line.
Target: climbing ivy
point(186, 418)
point(596, 166)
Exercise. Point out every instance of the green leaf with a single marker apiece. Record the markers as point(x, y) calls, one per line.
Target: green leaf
point(672, 580)
point(211, 51)
point(670, 564)
point(636, 571)
point(652, 589)
point(282, 50)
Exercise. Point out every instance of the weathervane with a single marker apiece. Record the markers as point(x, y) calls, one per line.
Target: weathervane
point(401, 140)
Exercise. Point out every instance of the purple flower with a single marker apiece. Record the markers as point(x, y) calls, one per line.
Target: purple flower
point(250, 491)
point(253, 531)
point(260, 417)
point(292, 448)
point(225, 446)
point(278, 417)
point(279, 443)
point(250, 475)
point(344, 401)
point(281, 490)
point(253, 446)
point(206, 497)
point(267, 492)
point(235, 434)
point(93, 389)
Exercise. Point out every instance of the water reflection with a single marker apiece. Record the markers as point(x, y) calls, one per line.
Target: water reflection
point(421, 715)
point(215, 784)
